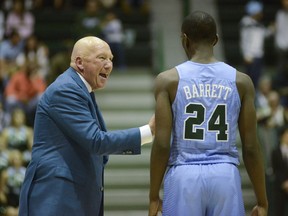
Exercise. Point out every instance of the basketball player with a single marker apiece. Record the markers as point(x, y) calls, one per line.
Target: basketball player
point(200, 104)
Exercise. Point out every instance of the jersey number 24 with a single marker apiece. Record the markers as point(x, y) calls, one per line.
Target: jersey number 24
point(217, 122)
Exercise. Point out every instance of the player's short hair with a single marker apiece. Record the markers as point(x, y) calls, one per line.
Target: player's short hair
point(199, 26)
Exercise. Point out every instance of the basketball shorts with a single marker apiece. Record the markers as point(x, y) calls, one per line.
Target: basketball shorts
point(203, 190)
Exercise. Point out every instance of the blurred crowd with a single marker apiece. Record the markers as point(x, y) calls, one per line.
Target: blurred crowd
point(271, 94)
point(27, 68)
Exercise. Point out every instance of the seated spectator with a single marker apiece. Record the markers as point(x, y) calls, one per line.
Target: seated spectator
point(3, 193)
point(2, 25)
point(15, 177)
point(278, 113)
point(23, 90)
point(10, 48)
point(38, 5)
point(88, 21)
point(60, 61)
point(108, 4)
point(34, 51)
point(4, 117)
point(18, 135)
point(4, 155)
point(21, 20)
point(129, 6)
point(8, 4)
point(261, 100)
point(114, 36)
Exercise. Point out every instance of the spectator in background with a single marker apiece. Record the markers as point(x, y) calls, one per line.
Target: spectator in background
point(129, 6)
point(18, 135)
point(113, 34)
point(24, 90)
point(20, 19)
point(281, 44)
point(2, 24)
point(280, 170)
point(271, 117)
point(108, 4)
point(38, 5)
point(15, 177)
point(275, 117)
point(10, 48)
point(278, 113)
point(3, 195)
point(261, 100)
point(8, 4)
point(60, 61)
point(4, 156)
point(4, 118)
point(88, 21)
point(37, 52)
point(60, 5)
point(252, 36)
point(268, 138)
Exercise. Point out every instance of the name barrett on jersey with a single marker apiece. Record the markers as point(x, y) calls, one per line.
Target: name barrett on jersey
point(207, 90)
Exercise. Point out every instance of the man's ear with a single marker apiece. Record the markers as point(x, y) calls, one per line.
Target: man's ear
point(79, 63)
point(216, 40)
point(185, 41)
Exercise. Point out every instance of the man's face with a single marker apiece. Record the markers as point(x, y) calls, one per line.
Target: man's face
point(98, 66)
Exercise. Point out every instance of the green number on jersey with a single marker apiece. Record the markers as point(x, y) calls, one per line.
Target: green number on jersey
point(216, 123)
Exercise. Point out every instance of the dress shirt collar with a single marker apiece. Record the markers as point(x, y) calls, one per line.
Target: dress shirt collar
point(89, 88)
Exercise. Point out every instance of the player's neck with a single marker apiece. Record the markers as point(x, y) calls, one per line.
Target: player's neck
point(204, 59)
point(203, 55)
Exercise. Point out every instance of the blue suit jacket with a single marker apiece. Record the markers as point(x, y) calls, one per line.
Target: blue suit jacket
point(65, 175)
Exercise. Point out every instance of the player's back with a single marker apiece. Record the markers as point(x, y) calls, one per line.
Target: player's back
point(205, 112)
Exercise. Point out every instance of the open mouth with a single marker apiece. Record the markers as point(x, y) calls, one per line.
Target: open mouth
point(103, 75)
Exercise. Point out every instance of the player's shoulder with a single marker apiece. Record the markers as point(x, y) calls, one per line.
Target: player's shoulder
point(167, 80)
point(168, 75)
point(244, 83)
point(243, 79)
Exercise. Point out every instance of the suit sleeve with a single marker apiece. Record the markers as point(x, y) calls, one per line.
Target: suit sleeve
point(71, 110)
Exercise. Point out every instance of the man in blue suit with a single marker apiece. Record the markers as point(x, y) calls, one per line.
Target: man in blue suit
point(71, 144)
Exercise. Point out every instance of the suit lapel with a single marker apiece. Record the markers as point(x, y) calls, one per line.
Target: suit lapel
point(78, 80)
point(98, 113)
point(98, 116)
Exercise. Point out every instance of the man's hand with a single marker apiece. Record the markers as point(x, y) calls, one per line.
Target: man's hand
point(152, 124)
point(155, 207)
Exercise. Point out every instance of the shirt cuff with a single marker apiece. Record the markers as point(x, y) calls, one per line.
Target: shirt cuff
point(146, 135)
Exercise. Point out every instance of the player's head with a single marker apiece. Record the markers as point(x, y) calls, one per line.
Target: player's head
point(198, 28)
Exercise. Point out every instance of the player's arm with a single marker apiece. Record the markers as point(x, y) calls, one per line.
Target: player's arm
point(251, 150)
point(161, 145)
